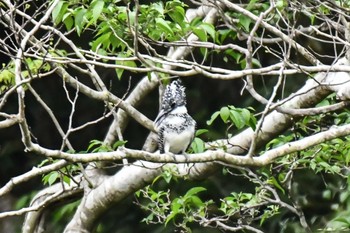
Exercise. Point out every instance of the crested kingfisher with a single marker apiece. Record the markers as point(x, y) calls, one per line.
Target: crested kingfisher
point(176, 128)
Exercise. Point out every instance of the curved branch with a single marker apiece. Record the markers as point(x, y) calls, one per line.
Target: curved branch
point(113, 189)
point(208, 156)
point(31, 174)
point(43, 199)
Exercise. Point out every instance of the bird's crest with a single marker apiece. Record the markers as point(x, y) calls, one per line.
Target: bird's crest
point(173, 97)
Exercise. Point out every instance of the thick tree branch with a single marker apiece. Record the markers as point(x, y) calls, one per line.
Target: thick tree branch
point(208, 156)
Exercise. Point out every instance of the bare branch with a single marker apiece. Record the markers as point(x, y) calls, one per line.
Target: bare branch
point(311, 58)
point(30, 175)
point(9, 122)
point(32, 208)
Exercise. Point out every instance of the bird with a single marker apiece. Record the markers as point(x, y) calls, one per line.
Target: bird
point(176, 128)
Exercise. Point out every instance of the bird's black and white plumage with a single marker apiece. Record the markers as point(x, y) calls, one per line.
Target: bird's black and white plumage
point(176, 128)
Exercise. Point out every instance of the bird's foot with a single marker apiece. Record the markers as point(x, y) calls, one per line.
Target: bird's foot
point(172, 155)
point(186, 156)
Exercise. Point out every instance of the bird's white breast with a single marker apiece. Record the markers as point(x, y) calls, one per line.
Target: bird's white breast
point(177, 142)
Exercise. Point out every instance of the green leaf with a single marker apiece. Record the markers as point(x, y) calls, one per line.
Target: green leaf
point(176, 204)
point(170, 217)
point(58, 12)
point(276, 184)
point(158, 6)
point(52, 178)
point(25, 73)
point(343, 220)
point(252, 122)
point(118, 144)
point(280, 4)
point(323, 103)
point(312, 18)
point(125, 62)
point(200, 32)
point(164, 26)
point(194, 191)
point(7, 79)
point(67, 180)
point(213, 117)
point(101, 40)
point(256, 63)
point(196, 201)
point(237, 119)
point(94, 143)
point(196, 22)
point(167, 176)
point(148, 219)
point(34, 65)
point(335, 169)
point(222, 34)
point(68, 21)
point(245, 22)
point(235, 55)
point(225, 114)
point(198, 145)
point(201, 131)
point(209, 29)
point(138, 193)
point(79, 20)
point(177, 14)
point(44, 162)
point(97, 7)
point(325, 165)
point(245, 115)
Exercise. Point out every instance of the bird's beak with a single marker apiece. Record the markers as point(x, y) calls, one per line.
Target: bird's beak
point(162, 113)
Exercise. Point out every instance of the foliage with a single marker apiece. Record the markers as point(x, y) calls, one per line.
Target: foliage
point(181, 210)
point(198, 145)
point(239, 117)
point(64, 175)
point(99, 146)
